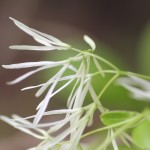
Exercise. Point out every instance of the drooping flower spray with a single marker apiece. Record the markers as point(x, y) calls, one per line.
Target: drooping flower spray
point(77, 115)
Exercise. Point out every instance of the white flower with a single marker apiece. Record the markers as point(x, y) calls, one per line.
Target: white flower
point(89, 41)
point(139, 88)
point(76, 122)
point(49, 42)
point(52, 82)
point(76, 117)
point(43, 131)
point(20, 124)
point(79, 91)
point(41, 64)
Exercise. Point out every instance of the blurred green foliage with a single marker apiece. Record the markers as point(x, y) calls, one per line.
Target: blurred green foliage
point(141, 134)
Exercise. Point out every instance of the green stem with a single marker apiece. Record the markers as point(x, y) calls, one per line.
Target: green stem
point(104, 71)
point(108, 84)
point(121, 72)
point(98, 57)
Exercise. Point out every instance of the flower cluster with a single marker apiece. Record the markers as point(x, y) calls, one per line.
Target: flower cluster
point(76, 117)
point(65, 133)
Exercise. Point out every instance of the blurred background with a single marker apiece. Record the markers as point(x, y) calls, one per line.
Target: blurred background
point(121, 30)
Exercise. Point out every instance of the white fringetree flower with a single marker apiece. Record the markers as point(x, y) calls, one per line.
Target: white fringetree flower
point(83, 80)
point(49, 42)
point(43, 131)
point(139, 88)
point(76, 116)
point(66, 133)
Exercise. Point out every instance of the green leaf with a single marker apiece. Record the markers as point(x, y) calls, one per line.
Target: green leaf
point(116, 117)
point(141, 134)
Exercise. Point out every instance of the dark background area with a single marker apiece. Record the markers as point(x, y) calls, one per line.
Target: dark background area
point(116, 24)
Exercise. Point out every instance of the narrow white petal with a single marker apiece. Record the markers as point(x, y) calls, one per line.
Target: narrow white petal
point(42, 42)
point(69, 77)
point(27, 131)
point(55, 128)
point(49, 82)
point(76, 138)
point(36, 48)
point(64, 86)
point(26, 75)
point(28, 30)
point(56, 112)
point(96, 99)
point(51, 38)
point(48, 96)
point(115, 146)
point(23, 122)
point(32, 87)
point(8, 120)
point(17, 126)
point(78, 57)
point(144, 84)
point(39, 36)
point(60, 122)
point(40, 105)
point(72, 94)
point(138, 93)
point(71, 100)
point(138, 87)
point(79, 90)
point(59, 138)
point(84, 93)
point(68, 115)
point(33, 64)
point(46, 85)
point(41, 110)
point(71, 67)
point(43, 105)
point(98, 66)
point(89, 41)
point(62, 111)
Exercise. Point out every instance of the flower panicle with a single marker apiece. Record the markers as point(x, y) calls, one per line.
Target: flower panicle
point(49, 42)
point(76, 117)
point(40, 131)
